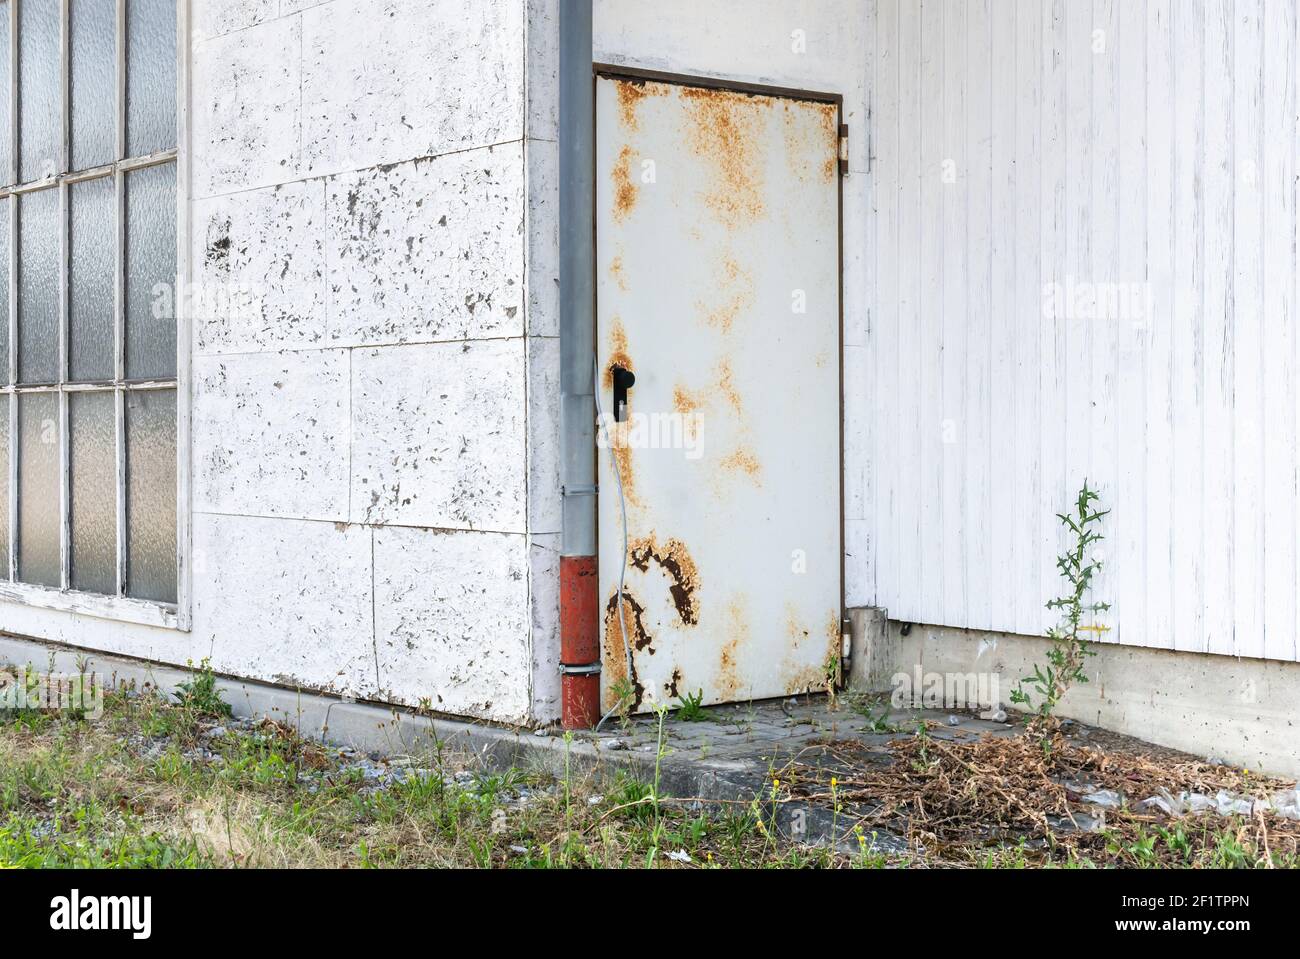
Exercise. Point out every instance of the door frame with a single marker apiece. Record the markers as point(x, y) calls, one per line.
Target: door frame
point(613, 71)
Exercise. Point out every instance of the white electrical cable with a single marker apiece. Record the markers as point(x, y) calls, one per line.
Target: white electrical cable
point(622, 505)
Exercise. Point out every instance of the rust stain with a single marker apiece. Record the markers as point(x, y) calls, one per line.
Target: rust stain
point(614, 663)
point(802, 143)
point(794, 629)
point(807, 680)
point(625, 191)
point(618, 355)
point(630, 95)
point(727, 386)
point(737, 631)
point(725, 126)
point(743, 461)
point(676, 562)
point(619, 447)
point(622, 454)
point(831, 129)
point(616, 273)
point(686, 402)
point(673, 688)
point(741, 283)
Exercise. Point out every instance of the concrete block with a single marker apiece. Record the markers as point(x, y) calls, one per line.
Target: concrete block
point(543, 251)
point(451, 621)
point(428, 252)
point(215, 18)
point(390, 80)
point(438, 437)
point(545, 511)
point(543, 67)
point(877, 651)
point(245, 91)
point(544, 560)
point(286, 601)
point(259, 270)
point(270, 434)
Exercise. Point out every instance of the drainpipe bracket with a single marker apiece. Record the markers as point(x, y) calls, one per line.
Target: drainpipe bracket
point(591, 669)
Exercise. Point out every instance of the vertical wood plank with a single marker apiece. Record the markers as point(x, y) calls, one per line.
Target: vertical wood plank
point(976, 318)
point(1053, 426)
point(1278, 334)
point(1108, 312)
point(1216, 361)
point(1243, 322)
point(1128, 566)
point(914, 25)
point(1080, 146)
point(1188, 503)
point(1159, 484)
point(955, 417)
point(1004, 574)
point(1029, 318)
point(934, 151)
point(886, 312)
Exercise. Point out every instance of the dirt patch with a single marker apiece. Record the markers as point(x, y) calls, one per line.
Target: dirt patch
point(954, 798)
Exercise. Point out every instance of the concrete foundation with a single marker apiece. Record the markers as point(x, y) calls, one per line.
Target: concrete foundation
point(1242, 711)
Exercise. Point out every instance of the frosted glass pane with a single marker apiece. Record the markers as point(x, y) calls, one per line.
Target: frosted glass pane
point(4, 488)
point(151, 495)
point(151, 273)
point(150, 76)
point(40, 114)
point(38, 287)
point(93, 485)
point(94, 82)
point(6, 141)
point(90, 315)
point(39, 528)
point(6, 208)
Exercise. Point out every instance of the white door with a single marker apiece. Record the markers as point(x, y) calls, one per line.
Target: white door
point(718, 290)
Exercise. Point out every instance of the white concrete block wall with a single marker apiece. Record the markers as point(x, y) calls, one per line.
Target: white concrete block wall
point(365, 413)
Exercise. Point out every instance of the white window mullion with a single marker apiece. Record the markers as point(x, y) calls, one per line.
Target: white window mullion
point(11, 560)
point(65, 251)
point(121, 81)
point(119, 368)
point(65, 446)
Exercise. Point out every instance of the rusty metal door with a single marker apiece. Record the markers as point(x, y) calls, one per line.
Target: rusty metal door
point(718, 331)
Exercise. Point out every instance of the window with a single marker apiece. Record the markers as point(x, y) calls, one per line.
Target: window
point(88, 273)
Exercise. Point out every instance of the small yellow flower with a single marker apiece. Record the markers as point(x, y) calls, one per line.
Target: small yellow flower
point(776, 784)
point(834, 782)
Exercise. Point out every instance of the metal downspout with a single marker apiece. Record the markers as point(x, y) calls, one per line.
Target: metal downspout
point(579, 591)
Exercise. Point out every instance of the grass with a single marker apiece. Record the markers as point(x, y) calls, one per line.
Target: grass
point(179, 784)
point(149, 785)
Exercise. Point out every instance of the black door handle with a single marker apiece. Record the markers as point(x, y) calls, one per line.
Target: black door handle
point(624, 380)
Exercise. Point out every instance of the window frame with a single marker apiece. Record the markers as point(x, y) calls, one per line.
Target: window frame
point(120, 607)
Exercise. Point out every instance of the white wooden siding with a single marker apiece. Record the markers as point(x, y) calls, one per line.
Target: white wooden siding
point(1140, 148)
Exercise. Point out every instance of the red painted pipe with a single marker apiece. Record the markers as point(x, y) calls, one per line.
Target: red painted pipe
point(579, 642)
